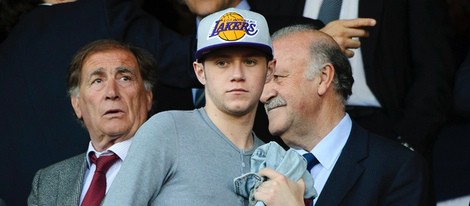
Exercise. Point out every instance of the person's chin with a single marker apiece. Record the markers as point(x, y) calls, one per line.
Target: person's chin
point(275, 128)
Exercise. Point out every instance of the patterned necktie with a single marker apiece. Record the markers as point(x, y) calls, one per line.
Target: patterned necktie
point(329, 10)
point(97, 188)
point(311, 162)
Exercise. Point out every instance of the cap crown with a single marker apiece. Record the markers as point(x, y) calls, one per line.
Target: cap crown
point(233, 27)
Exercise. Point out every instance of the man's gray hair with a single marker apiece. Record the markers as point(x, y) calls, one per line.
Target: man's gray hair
point(322, 51)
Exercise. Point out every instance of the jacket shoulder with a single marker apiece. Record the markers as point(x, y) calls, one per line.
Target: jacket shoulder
point(63, 166)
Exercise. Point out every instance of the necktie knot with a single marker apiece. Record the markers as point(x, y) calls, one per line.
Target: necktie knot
point(97, 188)
point(311, 160)
point(103, 163)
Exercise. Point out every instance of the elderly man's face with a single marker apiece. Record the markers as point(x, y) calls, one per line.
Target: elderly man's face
point(290, 99)
point(112, 101)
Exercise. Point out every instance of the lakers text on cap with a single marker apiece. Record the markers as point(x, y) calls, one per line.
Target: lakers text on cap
point(233, 27)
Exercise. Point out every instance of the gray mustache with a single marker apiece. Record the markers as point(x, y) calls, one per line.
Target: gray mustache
point(274, 102)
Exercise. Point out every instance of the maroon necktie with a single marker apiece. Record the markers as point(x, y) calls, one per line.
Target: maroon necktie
point(97, 188)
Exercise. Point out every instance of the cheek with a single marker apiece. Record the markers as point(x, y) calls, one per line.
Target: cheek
point(258, 82)
point(144, 105)
point(88, 114)
point(140, 103)
point(300, 105)
point(85, 107)
point(299, 98)
point(214, 84)
point(279, 120)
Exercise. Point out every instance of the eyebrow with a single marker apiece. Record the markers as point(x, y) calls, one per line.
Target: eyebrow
point(98, 71)
point(120, 70)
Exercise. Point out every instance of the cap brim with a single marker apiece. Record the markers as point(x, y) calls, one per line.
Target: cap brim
point(262, 47)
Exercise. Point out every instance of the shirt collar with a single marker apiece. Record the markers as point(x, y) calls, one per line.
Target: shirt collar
point(120, 149)
point(329, 148)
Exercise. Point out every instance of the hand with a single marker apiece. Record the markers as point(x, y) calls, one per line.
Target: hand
point(343, 32)
point(279, 189)
point(57, 1)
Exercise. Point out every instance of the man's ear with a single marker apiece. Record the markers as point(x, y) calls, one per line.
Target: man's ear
point(327, 74)
point(74, 99)
point(149, 95)
point(200, 73)
point(271, 67)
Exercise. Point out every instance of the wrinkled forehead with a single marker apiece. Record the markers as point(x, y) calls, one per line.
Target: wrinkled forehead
point(110, 62)
point(110, 59)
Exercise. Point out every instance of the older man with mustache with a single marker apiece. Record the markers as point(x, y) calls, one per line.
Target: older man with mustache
point(305, 102)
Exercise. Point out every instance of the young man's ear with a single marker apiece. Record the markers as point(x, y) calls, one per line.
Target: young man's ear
point(199, 71)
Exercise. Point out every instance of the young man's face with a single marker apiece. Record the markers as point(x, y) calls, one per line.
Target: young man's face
point(233, 79)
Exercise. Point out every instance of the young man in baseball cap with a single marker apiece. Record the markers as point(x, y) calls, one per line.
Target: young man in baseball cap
point(192, 157)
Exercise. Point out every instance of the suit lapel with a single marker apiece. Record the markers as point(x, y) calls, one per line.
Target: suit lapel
point(347, 169)
point(71, 183)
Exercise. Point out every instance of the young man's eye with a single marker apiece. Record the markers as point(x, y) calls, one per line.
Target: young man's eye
point(250, 62)
point(221, 63)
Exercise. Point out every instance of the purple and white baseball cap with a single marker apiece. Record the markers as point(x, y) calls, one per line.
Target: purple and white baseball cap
point(233, 27)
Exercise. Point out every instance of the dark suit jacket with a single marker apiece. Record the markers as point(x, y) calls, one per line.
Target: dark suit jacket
point(60, 183)
point(406, 59)
point(36, 117)
point(372, 170)
point(462, 89)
